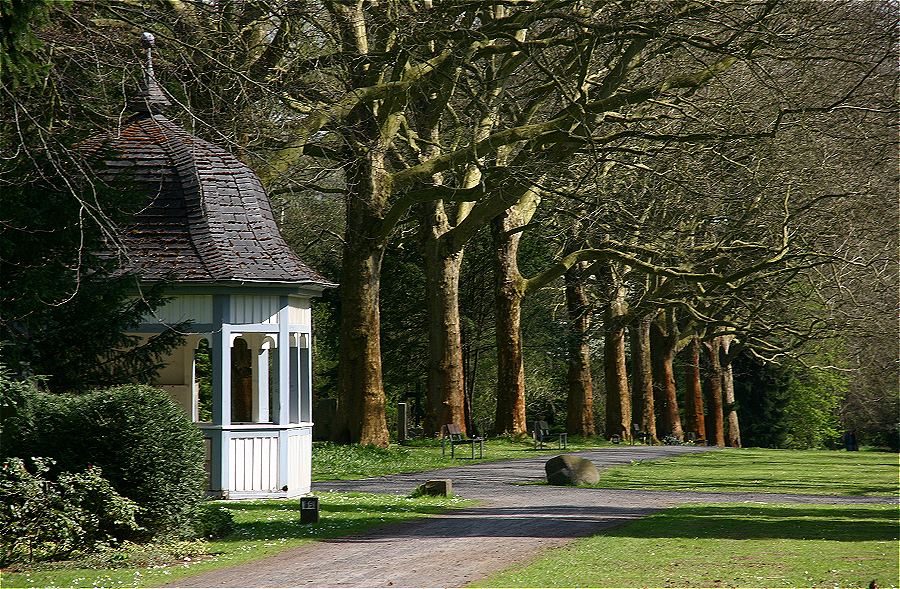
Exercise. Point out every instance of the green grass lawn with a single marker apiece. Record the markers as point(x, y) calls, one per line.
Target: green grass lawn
point(335, 462)
point(263, 528)
point(728, 545)
point(764, 471)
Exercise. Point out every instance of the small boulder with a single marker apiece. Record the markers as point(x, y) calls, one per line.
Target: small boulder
point(571, 470)
point(435, 488)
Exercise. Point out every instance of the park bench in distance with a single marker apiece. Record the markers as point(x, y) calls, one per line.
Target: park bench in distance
point(638, 434)
point(542, 434)
point(452, 435)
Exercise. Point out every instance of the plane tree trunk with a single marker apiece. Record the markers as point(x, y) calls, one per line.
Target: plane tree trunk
point(733, 435)
point(663, 343)
point(445, 395)
point(580, 399)
point(642, 377)
point(714, 418)
point(618, 398)
point(693, 394)
point(361, 394)
point(509, 290)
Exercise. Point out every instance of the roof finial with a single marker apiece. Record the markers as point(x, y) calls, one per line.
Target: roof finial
point(150, 98)
point(148, 42)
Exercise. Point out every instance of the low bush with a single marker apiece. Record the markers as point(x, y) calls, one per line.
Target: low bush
point(145, 444)
point(213, 521)
point(42, 519)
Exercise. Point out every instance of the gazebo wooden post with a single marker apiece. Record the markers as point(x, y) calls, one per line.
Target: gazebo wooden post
point(305, 350)
point(221, 391)
point(261, 381)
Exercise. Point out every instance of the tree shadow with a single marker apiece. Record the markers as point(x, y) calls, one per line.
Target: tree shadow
point(745, 522)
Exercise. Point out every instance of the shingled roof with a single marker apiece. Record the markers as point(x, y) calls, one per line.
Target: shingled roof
point(207, 217)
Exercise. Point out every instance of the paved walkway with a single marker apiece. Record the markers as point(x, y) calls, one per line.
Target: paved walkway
point(512, 525)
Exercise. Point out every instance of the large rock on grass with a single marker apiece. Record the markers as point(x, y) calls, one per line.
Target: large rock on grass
point(571, 470)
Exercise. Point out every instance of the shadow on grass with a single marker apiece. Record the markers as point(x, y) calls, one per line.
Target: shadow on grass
point(744, 522)
point(361, 506)
point(282, 506)
point(280, 520)
point(732, 522)
point(751, 484)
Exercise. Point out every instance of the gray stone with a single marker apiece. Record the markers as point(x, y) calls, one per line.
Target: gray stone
point(571, 470)
point(436, 488)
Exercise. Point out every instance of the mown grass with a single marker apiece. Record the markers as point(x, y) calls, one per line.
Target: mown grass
point(347, 462)
point(764, 471)
point(262, 528)
point(728, 545)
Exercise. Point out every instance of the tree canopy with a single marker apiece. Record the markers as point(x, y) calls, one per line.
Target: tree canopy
point(684, 172)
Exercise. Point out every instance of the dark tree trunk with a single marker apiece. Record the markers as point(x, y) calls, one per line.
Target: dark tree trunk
point(445, 396)
point(509, 290)
point(733, 436)
point(580, 400)
point(361, 398)
point(361, 392)
point(642, 377)
point(618, 399)
point(479, 308)
point(714, 420)
point(693, 394)
point(662, 351)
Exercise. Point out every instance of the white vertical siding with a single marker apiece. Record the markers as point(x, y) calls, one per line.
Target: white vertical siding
point(254, 309)
point(299, 311)
point(299, 462)
point(197, 308)
point(253, 464)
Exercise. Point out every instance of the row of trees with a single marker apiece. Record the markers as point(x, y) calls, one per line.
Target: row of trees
point(690, 175)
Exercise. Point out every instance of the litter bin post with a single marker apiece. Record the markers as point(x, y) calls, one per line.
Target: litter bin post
point(309, 510)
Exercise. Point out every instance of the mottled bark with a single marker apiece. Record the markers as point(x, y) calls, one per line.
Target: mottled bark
point(361, 398)
point(509, 289)
point(618, 398)
point(642, 377)
point(662, 351)
point(714, 418)
point(693, 394)
point(733, 434)
point(445, 396)
point(580, 399)
point(361, 401)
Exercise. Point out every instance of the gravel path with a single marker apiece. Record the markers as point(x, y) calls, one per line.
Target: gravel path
point(513, 524)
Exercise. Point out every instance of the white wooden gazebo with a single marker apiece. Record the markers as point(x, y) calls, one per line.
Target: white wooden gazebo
point(207, 232)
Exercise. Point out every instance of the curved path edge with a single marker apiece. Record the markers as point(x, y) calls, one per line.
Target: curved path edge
point(513, 524)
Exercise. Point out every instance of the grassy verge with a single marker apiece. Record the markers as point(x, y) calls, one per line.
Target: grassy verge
point(719, 545)
point(335, 462)
point(764, 471)
point(263, 528)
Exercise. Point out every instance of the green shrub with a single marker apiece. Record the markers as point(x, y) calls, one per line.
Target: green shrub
point(146, 554)
point(213, 521)
point(811, 414)
point(146, 445)
point(44, 519)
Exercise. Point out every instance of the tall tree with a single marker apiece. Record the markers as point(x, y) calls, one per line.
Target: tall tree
point(693, 394)
point(714, 417)
point(580, 393)
point(642, 377)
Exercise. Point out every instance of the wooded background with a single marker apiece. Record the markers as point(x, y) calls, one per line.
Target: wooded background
point(676, 214)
